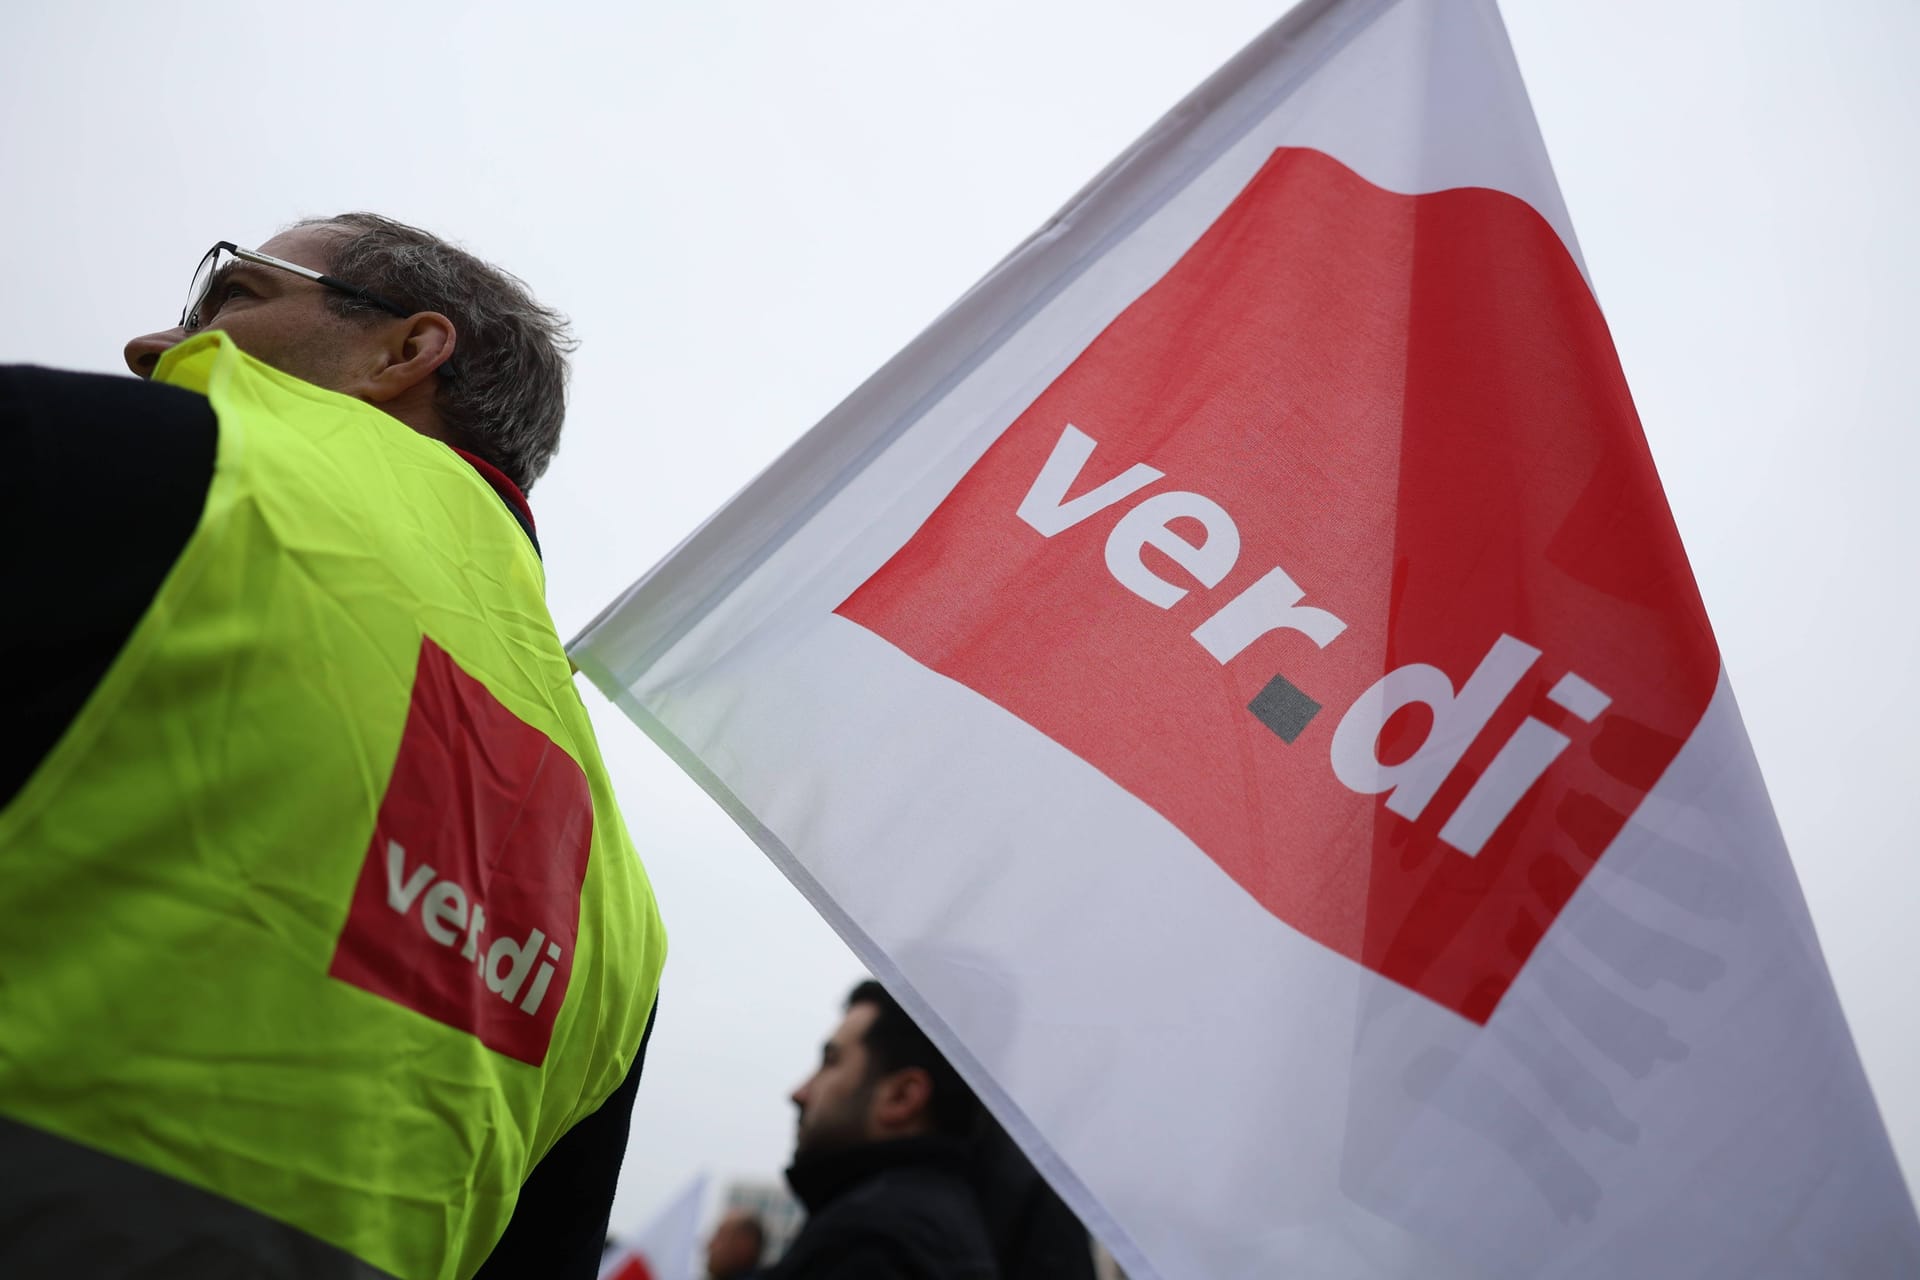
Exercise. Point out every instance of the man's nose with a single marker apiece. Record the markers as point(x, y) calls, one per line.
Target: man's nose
point(143, 353)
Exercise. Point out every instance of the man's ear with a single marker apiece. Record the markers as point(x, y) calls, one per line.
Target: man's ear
point(415, 350)
point(900, 1101)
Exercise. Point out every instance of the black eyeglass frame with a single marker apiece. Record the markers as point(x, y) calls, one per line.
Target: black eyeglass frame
point(190, 314)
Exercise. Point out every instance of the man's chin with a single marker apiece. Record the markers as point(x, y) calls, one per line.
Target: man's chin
point(811, 1146)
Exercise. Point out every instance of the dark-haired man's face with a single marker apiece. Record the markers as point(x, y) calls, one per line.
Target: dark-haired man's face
point(836, 1101)
point(277, 318)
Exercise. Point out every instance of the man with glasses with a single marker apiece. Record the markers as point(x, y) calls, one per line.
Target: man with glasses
point(323, 948)
point(281, 305)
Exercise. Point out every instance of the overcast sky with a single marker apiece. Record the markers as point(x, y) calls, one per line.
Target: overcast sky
point(747, 207)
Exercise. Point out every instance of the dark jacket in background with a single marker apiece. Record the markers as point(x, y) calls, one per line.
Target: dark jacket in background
point(900, 1210)
point(1035, 1235)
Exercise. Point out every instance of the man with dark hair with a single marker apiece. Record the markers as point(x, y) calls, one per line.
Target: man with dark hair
point(327, 952)
point(881, 1157)
point(734, 1248)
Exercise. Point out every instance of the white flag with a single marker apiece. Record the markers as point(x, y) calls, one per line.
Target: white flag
point(1236, 678)
point(666, 1248)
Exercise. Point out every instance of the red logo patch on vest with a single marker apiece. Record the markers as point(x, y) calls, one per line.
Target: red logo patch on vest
point(468, 905)
point(1341, 549)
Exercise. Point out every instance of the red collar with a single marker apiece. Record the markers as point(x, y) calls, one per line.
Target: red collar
point(506, 488)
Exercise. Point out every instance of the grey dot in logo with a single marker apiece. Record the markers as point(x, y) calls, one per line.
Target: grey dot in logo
point(1283, 708)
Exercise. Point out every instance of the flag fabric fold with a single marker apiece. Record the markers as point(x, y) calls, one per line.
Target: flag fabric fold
point(666, 1248)
point(1236, 678)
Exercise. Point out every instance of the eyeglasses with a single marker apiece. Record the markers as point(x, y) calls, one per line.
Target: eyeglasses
point(212, 266)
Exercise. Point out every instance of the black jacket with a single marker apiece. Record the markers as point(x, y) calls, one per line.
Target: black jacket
point(899, 1210)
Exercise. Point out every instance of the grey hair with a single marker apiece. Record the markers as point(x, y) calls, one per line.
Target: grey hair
point(503, 395)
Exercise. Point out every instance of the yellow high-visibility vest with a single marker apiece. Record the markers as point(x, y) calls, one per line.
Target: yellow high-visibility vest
point(322, 903)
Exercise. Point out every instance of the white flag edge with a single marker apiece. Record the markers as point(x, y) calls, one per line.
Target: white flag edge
point(1092, 1214)
point(681, 588)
